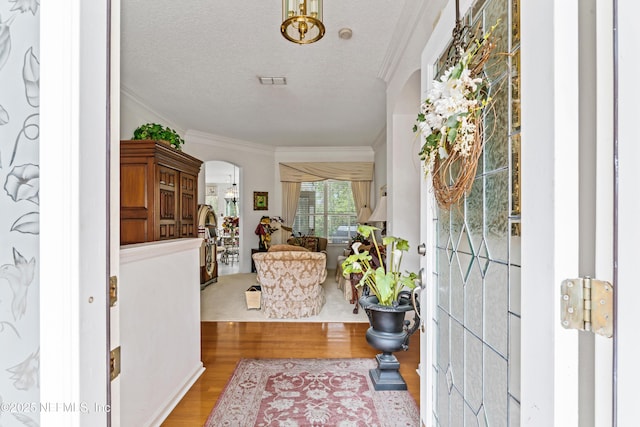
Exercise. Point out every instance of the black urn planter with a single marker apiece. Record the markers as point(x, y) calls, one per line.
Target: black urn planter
point(389, 332)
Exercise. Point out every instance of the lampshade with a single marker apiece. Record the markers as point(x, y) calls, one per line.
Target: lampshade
point(380, 212)
point(364, 214)
point(302, 21)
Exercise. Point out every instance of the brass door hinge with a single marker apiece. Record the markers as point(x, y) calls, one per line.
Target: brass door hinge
point(587, 305)
point(113, 290)
point(114, 363)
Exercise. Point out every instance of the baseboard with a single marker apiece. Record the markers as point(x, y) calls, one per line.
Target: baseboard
point(166, 409)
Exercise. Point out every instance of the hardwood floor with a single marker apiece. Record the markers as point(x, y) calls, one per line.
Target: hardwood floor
point(224, 343)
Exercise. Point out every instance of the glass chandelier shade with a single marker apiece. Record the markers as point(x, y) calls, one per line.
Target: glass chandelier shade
point(231, 195)
point(302, 21)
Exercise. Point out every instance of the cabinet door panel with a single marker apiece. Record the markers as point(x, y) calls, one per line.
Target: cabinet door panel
point(133, 191)
point(133, 231)
point(168, 203)
point(168, 231)
point(188, 204)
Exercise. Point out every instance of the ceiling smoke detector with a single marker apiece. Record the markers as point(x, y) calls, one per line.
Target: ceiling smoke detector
point(345, 33)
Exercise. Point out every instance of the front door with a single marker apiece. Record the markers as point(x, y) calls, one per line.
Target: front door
point(495, 352)
point(473, 261)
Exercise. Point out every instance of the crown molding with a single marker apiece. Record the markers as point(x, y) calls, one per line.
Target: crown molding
point(344, 149)
point(223, 142)
point(381, 139)
point(363, 153)
point(409, 18)
point(128, 93)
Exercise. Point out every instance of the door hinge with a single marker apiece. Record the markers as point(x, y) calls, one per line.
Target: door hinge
point(114, 363)
point(587, 305)
point(113, 290)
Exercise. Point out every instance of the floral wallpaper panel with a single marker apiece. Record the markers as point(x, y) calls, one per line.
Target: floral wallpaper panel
point(19, 213)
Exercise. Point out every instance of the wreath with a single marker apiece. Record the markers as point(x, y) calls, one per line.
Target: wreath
point(450, 121)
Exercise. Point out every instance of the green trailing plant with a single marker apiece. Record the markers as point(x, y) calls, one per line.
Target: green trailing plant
point(386, 281)
point(158, 132)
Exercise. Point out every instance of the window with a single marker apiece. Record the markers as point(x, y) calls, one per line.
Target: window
point(326, 209)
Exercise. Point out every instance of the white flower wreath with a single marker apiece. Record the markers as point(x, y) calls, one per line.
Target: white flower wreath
point(450, 121)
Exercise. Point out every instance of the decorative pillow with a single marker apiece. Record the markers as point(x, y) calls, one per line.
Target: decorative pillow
point(280, 248)
point(311, 243)
point(298, 241)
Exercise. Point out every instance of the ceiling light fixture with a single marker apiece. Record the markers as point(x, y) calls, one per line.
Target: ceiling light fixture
point(231, 195)
point(302, 24)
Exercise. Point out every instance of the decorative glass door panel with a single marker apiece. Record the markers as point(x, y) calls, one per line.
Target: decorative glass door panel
point(477, 319)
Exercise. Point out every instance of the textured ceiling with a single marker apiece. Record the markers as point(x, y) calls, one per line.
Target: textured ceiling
point(197, 62)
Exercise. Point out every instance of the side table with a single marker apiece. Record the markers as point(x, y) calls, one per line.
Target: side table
point(339, 277)
point(347, 285)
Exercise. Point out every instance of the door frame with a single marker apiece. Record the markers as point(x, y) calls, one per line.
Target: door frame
point(74, 360)
point(550, 209)
point(626, 93)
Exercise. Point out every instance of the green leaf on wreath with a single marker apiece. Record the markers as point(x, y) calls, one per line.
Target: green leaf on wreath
point(433, 139)
point(452, 121)
point(456, 72)
point(451, 135)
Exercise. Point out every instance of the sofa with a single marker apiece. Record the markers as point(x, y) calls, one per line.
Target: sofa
point(291, 280)
point(313, 243)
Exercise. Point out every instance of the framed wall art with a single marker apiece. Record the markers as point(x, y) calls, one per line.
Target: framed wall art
point(260, 200)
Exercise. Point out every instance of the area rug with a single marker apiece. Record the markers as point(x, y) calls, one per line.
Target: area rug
point(309, 392)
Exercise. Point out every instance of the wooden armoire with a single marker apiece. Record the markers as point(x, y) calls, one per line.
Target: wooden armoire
point(158, 192)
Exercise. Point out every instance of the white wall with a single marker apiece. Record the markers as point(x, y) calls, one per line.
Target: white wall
point(405, 172)
point(255, 163)
point(160, 314)
point(403, 101)
point(380, 168)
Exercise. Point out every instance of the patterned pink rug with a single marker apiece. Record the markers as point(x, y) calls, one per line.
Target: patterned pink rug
point(309, 392)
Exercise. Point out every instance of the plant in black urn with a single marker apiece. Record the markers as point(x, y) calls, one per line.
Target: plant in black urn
point(387, 299)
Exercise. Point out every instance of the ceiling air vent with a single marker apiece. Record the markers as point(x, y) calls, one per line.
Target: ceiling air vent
point(279, 81)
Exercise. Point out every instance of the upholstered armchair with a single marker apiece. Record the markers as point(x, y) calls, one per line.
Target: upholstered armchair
point(291, 282)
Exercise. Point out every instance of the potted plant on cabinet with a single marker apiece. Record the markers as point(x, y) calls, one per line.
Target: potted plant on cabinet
point(156, 132)
point(386, 300)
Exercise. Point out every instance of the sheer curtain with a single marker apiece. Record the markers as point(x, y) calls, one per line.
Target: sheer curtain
point(290, 196)
point(361, 194)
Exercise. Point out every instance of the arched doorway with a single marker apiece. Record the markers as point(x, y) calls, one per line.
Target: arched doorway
point(223, 195)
